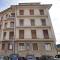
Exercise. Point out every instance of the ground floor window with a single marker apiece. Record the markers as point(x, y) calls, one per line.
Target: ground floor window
point(3, 46)
point(10, 46)
point(21, 46)
point(35, 46)
point(48, 46)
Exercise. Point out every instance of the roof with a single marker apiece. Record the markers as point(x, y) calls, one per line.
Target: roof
point(28, 4)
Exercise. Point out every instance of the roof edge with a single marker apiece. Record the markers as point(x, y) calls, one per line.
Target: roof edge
point(27, 4)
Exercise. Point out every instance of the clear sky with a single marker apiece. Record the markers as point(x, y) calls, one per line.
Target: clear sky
point(54, 12)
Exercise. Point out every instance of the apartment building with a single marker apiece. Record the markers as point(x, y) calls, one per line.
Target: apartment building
point(26, 29)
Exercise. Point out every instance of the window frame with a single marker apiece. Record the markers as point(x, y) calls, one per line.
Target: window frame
point(0, 26)
point(49, 47)
point(21, 12)
point(21, 22)
point(41, 11)
point(10, 35)
point(12, 14)
point(43, 22)
point(21, 34)
point(4, 35)
point(6, 25)
point(31, 11)
point(32, 22)
point(35, 46)
point(12, 24)
point(9, 46)
point(46, 34)
point(33, 34)
point(3, 46)
point(22, 46)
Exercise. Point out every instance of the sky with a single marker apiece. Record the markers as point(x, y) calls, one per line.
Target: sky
point(54, 12)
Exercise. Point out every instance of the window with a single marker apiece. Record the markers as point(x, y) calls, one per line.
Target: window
point(21, 46)
point(35, 46)
point(5, 25)
point(4, 35)
point(21, 22)
point(0, 35)
point(11, 35)
point(28, 45)
point(46, 35)
point(21, 12)
point(1, 18)
point(32, 22)
point(12, 14)
point(48, 46)
point(21, 34)
point(0, 26)
point(31, 12)
point(10, 46)
point(41, 12)
point(3, 46)
point(12, 24)
point(6, 15)
point(33, 32)
point(43, 22)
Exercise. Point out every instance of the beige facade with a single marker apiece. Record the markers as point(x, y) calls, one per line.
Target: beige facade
point(44, 46)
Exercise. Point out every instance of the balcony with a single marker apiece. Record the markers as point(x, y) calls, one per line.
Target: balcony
point(10, 18)
point(8, 39)
point(33, 26)
point(35, 40)
point(32, 16)
point(8, 29)
point(5, 28)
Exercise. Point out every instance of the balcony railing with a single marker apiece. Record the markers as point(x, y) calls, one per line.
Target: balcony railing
point(10, 18)
point(8, 27)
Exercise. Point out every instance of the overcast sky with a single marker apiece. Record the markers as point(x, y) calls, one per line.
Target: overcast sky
point(54, 12)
